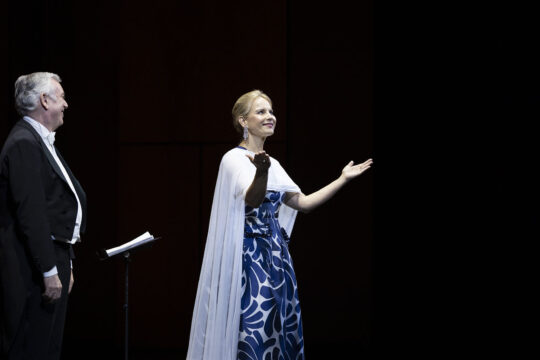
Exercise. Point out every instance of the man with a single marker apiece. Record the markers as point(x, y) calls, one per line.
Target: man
point(42, 214)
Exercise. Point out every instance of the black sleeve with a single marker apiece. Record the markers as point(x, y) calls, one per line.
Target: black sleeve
point(26, 160)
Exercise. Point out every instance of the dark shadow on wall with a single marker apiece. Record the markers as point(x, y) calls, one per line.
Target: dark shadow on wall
point(150, 90)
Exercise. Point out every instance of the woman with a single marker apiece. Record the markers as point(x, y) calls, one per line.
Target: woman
point(247, 303)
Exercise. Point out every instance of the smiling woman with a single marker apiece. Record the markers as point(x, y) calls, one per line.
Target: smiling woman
point(247, 304)
point(253, 114)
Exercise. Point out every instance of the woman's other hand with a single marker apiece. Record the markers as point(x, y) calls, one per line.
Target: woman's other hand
point(261, 160)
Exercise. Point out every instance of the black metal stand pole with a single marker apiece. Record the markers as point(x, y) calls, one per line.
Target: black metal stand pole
point(126, 306)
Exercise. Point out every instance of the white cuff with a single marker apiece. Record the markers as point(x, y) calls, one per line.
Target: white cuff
point(51, 272)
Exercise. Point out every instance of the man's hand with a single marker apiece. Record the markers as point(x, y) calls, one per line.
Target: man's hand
point(53, 288)
point(71, 281)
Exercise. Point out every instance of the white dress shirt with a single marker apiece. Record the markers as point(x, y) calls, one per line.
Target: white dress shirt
point(48, 138)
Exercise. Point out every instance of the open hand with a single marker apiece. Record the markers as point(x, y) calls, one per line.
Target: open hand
point(351, 171)
point(261, 160)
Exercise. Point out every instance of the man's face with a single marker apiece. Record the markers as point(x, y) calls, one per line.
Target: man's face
point(56, 105)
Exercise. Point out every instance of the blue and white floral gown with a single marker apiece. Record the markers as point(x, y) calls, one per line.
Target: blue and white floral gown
point(270, 321)
point(247, 278)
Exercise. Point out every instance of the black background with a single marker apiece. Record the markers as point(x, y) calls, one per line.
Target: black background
point(428, 254)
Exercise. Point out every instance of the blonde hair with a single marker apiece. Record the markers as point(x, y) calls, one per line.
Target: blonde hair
point(242, 106)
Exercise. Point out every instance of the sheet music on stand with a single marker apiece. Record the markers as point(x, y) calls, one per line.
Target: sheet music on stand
point(125, 249)
point(135, 243)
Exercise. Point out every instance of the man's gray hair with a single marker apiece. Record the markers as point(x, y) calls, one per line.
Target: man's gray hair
point(28, 89)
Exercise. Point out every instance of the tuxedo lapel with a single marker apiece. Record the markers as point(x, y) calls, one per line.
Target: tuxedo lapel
point(47, 152)
point(74, 181)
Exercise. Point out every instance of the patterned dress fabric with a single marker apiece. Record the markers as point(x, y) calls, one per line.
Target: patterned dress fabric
point(270, 321)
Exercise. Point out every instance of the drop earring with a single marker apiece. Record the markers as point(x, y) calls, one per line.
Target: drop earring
point(245, 135)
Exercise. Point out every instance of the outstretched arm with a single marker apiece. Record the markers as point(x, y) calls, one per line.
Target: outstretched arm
point(306, 203)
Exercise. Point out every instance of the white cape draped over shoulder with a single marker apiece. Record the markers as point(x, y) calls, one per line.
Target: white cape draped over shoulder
point(215, 324)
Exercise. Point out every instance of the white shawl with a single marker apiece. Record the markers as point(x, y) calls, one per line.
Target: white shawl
point(216, 316)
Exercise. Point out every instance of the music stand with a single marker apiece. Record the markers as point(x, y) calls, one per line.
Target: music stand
point(125, 250)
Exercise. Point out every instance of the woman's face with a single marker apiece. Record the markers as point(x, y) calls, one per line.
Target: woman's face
point(260, 121)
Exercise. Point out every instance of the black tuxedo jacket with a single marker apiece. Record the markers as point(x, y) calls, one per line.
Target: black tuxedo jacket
point(36, 205)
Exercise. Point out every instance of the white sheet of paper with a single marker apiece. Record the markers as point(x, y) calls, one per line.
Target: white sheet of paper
point(139, 240)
